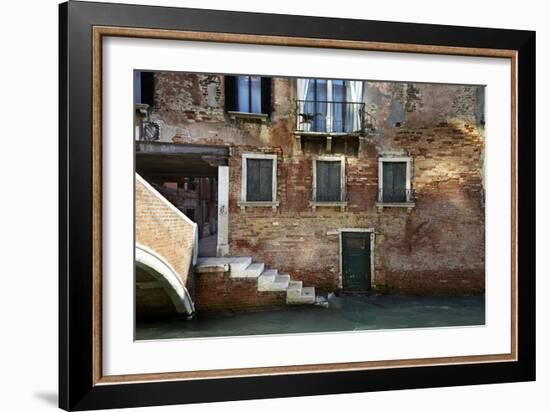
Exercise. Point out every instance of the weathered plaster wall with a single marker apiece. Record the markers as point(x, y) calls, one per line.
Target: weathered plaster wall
point(190, 108)
point(437, 247)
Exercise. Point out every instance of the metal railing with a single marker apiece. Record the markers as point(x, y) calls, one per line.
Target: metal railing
point(329, 116)
point(395, 195)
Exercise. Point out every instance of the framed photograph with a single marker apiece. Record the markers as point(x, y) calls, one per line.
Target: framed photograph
point(256, 206)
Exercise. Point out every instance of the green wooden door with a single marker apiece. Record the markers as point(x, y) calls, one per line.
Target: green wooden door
point(356, 261)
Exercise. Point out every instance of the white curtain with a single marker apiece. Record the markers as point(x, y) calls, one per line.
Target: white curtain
point(354, 93)
point(302, 86)
point(329, 106)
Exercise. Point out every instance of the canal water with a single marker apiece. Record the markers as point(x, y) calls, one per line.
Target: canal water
point(344, 313)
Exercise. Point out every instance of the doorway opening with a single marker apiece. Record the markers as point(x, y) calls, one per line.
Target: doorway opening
point(187, 176)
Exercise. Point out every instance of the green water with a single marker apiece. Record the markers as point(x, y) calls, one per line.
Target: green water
point(345, 313)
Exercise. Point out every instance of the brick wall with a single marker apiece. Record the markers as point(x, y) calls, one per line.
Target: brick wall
point(437, 247)
point(189, 97)
point(160, 227)
point(217, 291)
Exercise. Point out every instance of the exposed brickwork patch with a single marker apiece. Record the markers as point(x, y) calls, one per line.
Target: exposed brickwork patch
point(217, 291)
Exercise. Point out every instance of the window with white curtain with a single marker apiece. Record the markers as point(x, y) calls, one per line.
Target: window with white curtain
point(329, 105)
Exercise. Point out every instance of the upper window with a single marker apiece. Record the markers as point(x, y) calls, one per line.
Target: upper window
point(329, 178)
point(334, 106)
point(394, 180)
point(144, 87)
point(248, 94)
point(259, 178)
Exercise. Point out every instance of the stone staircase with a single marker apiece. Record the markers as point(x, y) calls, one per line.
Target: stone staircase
point(268, 280)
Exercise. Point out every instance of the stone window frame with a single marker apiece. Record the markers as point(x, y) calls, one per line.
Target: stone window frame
point(243, 203)
point(342, 203)
point(409, 203)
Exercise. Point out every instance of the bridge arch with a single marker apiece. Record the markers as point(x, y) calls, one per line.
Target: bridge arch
point(157, 267)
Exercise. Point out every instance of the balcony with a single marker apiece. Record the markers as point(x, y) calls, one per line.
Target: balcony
point(329, 118)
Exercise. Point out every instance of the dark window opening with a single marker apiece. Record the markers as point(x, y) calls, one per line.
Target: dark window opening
point(144, 84)
point(328, 183)
point(259, 180)
point(394, 177)
point(249, 94)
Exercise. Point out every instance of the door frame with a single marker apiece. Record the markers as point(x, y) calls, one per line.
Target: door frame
point(372, 239)
point(222, 236)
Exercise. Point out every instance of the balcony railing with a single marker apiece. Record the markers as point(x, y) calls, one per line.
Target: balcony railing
point(395, 195)
point(329, 116)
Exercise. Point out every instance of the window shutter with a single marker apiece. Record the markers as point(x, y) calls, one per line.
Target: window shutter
point(322, 181)
point(266, 182)
point(387, 176)
point(259, 180)
point(147, 80)
point(252, 179)
point(334, 181)
point(399, 181)
point(394, 181)
point(230, 93)
point(328, 181)
point(399, 175)
point(266, 95)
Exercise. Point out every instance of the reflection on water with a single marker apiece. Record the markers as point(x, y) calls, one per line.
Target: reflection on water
point(345, 313)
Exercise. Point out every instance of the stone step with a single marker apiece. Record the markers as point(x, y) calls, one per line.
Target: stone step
point(270, 281)
point(294, 290)
point(222, 264)
point(239, 265)
point(280, 283)
point(266, 279)
point(309, 292)
point(307, 297)
point(253, 271)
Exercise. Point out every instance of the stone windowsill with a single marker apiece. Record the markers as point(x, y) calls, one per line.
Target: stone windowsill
point(406, 205)
point(246, 115)
point(205, 269)
point(244, 204)
point(315, 204)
